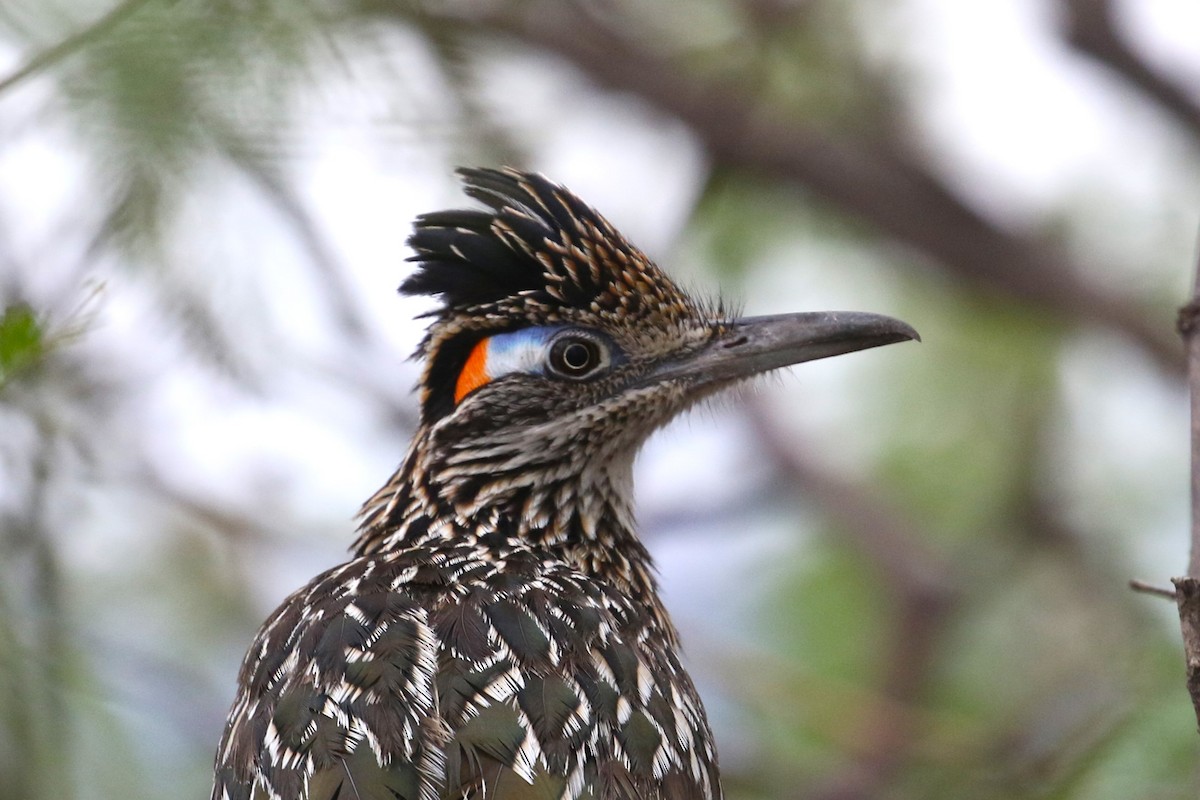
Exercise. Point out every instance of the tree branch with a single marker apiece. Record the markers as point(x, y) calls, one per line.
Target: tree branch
point(1187, 597)
point(1091, 30)
point(1187, 589)
point(1189, 329)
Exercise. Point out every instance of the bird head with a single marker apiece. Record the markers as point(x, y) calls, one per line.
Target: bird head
point(553, 327)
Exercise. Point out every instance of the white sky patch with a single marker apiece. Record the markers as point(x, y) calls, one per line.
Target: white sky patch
point(1016, 117)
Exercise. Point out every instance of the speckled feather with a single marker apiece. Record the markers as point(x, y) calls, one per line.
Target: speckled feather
point(498, 633)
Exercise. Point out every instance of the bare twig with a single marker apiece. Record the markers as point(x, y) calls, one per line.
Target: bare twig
point(1151, 589)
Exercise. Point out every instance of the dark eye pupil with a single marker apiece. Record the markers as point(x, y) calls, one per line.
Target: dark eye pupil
point(576, 356)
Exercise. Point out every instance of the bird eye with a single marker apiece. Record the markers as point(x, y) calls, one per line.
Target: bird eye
point(576, 356)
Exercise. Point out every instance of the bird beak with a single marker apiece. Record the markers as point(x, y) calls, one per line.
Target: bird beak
point(753, 345)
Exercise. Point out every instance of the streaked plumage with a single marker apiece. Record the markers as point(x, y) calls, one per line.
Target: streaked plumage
point(498, 633)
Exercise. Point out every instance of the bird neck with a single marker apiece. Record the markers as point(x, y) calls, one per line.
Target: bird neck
point(506, 495)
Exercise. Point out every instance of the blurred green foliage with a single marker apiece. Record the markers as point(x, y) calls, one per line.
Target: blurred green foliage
point(22, 342)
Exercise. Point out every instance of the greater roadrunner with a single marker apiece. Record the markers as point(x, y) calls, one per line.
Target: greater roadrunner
point(498, 633)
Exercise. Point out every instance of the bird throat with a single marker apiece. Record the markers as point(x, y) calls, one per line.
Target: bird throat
point(579, 514)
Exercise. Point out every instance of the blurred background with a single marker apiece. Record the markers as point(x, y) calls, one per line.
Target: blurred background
point(899, 574)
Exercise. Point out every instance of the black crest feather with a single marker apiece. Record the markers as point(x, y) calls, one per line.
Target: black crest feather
point(516, 248)
point(463, 259)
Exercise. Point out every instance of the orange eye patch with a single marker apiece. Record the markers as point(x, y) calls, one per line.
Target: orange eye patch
point(474, 373)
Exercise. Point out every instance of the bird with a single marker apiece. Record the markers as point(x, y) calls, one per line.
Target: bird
point(498, 632)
